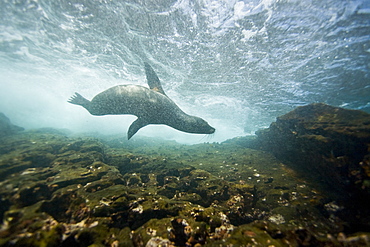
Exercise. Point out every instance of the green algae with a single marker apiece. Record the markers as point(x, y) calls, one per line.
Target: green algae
point(84, 192)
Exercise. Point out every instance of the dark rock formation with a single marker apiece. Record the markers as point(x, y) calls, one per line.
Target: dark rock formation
point(6, 127)
point(326, 144)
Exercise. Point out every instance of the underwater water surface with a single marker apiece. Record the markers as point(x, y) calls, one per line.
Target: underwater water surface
point(68, 178)
point(236, 64)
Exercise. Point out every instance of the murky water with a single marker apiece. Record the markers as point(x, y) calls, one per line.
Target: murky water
point(237, 64)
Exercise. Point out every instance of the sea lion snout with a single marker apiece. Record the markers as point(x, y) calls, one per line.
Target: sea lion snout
point(198, 126)
point(210, 130)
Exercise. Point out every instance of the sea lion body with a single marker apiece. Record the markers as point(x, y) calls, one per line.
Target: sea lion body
point(148, 105)
point(151, 106)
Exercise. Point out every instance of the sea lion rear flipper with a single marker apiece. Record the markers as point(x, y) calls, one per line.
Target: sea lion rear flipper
point(78, 99)
point(134, 127)
point(153, 80)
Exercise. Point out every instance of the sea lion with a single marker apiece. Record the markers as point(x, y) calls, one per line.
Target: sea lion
point(151, 106)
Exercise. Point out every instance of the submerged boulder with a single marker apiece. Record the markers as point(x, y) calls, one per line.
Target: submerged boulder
point(325, 144)
point(6, 127)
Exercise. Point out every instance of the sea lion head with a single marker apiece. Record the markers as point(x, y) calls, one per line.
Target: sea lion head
point(198, 125)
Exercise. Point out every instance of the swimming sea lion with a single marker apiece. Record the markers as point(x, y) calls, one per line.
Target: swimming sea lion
point(151, 106)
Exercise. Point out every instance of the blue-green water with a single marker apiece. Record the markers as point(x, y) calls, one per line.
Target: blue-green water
point(237, 64)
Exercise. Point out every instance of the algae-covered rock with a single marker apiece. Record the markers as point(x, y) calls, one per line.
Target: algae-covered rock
point(63, 191)
point(330, 141)
point(327, 145)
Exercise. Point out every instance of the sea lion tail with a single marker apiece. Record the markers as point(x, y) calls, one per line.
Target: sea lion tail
point(78, 99)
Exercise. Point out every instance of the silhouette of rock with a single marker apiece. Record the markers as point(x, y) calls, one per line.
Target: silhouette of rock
point(6, 127)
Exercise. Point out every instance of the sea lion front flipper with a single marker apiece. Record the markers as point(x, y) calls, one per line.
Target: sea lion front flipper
point(134, 127)
point(153, 80)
